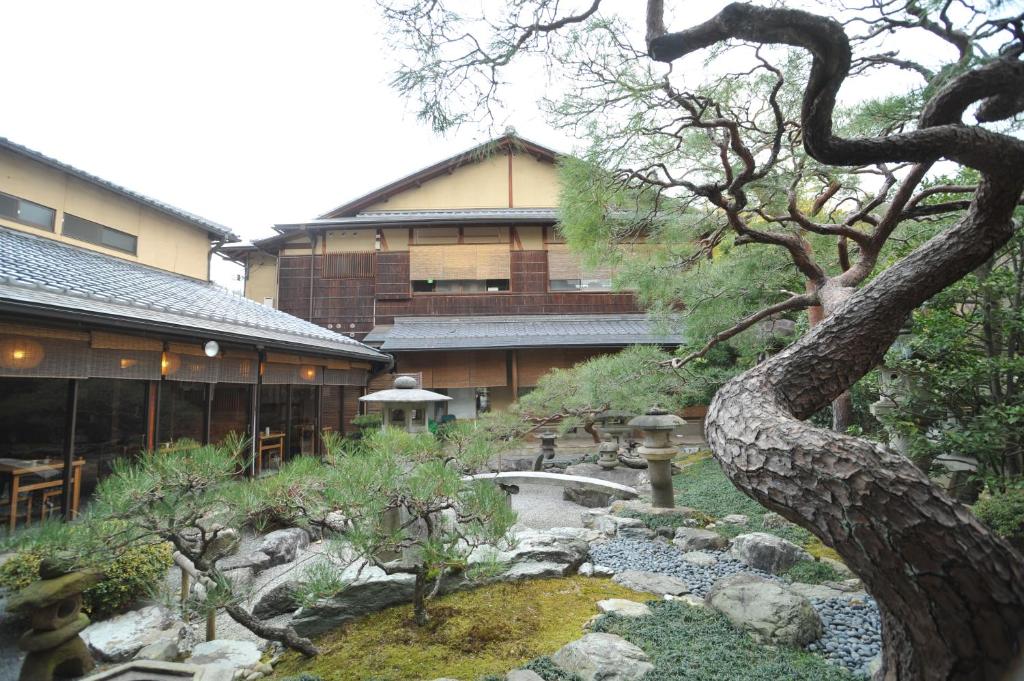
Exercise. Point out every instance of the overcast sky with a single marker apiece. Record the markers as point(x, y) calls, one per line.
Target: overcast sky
point(247, 113)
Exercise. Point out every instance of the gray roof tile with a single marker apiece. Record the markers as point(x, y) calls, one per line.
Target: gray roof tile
point(41, 273)
point(524, 331)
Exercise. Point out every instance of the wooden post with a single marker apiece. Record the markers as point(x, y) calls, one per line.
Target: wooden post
point(208, 413)
point(211, 625)
point(184, 587)
point(70, 414)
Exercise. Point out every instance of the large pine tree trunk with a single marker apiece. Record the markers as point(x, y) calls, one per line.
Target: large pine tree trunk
point(950, 592)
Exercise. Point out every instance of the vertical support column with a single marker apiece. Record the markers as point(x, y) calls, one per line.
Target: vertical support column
point(255, 413)
point(208, 413)
point(287, 426)
point(70, 421)
point(515, 375)
point(152, 394)
point(317, 421)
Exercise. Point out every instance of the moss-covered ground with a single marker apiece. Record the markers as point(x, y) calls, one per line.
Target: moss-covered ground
point(471, 634)
point(702, 485)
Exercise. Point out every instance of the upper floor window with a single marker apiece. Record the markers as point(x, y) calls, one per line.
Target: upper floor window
point(26, 212)
point(95, 233)
point(459, 285)
point(348, 265)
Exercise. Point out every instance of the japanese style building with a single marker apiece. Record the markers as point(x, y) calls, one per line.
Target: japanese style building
point(113, 340)
point(458, 271)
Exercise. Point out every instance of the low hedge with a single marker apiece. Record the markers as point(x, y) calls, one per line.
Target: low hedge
point(129, 577)
point(1004, 513)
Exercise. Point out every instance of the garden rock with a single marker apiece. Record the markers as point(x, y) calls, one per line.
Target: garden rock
point(773, 521)
point(735, 519)
point(534, 546)
point(700, 558)
point(769, 611)
point(839, 566)
point(635, 533)
point(694, 539)
point(602, 657)
point(523, 675)
point(162, 650)
point(226, 653)
point(589, 498)
point(283, 545)
point(279, 600)
point(612, 524)
point(225, 543)
point(763, 551)
point(623, 608)
point(580, 533)
point(651, 582)
point(119, 638)
point(530, 570)
point(823, 591)
point(359, 598)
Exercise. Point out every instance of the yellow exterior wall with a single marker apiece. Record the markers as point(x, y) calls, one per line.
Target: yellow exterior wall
point(478, 185)
point(262, 280)
point(350, 240)
point(396, 239)
point(535, 184)
point(163, 242)
point(532, 238)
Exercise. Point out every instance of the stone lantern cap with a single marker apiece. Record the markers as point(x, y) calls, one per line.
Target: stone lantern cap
point(404, 390)
point(48, 592)
point(657, 418)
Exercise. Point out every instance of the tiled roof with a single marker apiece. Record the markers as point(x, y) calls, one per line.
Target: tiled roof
point(202, 223)
point(42, 275)
point(526, 331)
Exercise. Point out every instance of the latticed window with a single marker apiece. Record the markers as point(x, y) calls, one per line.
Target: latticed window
point(348, 265)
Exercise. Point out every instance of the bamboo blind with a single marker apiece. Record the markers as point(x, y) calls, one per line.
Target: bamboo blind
point(40, 357)
point(116, 341)
point(532, 364)
point(461, 369)
point(564, 264)
point(468, 261)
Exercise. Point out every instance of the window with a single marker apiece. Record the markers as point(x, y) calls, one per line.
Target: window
point(95, 233)
point(26, 212)
point(564, 285)
point(348, 265)
point(459, 285)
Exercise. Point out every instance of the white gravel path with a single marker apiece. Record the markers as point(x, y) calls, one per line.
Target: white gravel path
point(541, 507)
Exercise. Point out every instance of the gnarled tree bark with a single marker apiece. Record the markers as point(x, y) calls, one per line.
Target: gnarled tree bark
point(951, 593)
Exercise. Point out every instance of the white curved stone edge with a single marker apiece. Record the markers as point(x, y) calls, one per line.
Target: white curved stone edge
point(578, 482)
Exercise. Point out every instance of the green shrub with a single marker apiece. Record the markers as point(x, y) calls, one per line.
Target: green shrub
point(365, 421)
point(1004, 513)
point(812, 572)
point(129, 577)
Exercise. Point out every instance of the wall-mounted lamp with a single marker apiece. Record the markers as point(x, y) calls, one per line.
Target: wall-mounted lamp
point(211, 348)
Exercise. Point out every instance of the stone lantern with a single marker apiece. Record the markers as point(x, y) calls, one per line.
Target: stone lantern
point(54, 607)
point(615, 423)
point(405, 405)
point(607, 453)
point(657, 426)
point(547, 449)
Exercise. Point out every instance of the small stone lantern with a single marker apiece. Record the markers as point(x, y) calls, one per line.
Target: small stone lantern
point(608, 453)
point(657, 426)
point(405, 405)
point(547, 449)
point(615, 423)
point(54, 607)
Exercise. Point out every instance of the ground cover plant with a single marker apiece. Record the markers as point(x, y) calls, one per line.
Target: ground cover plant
point(698, 644)
point(472, 634)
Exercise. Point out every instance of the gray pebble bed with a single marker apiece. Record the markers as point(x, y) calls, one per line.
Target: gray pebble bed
point(652, 556)
point(852, 629)
point(853, 632)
